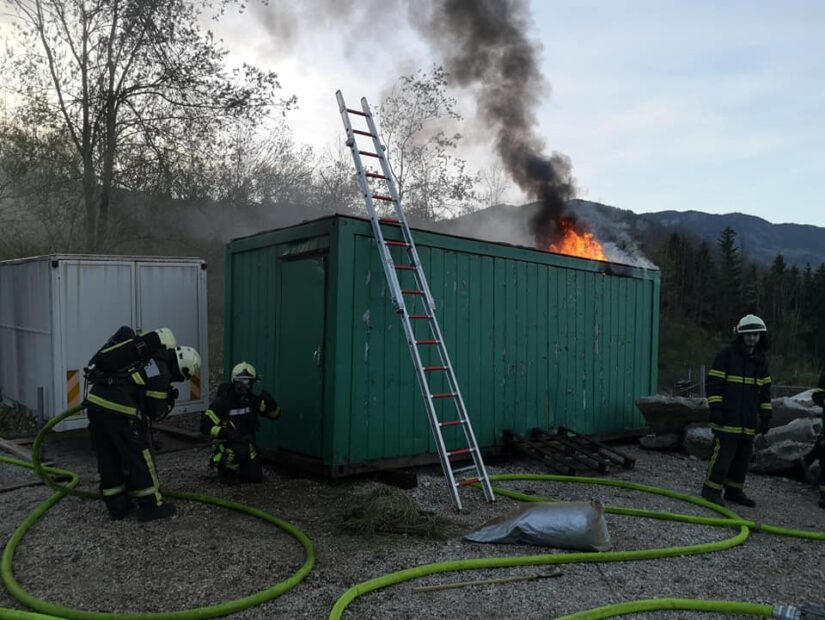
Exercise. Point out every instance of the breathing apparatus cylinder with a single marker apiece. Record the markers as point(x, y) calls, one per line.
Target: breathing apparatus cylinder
point(121, 355)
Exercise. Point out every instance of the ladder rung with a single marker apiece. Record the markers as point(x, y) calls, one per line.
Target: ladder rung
point(444, 395)
point(467, 482)
point(389, 220)
point(358, 112)
point(382, 197)
point(363, 133)
point(405, 267)
point(369, 154)
point(451, 423)
point(410, 291)
point(426, 342)
point(419, 317)
point(459, 451)
point(464, 470)
point(374, 175)
point(432, 368)
point(398, 244)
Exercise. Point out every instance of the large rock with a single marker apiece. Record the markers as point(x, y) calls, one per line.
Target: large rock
point(800, 430)
point(782, 457)
point(793, 407)
point(670, 414)
point(667, 441)
point(698, 441)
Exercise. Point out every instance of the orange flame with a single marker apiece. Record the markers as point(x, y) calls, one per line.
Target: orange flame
point(574, 243)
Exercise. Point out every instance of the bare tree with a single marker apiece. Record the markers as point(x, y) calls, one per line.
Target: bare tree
point(129, 82)
point(336, 186)
point(415, 120)
point(39, 199)
point(495, 183)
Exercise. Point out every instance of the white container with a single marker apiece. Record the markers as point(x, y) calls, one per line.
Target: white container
point(56, 311)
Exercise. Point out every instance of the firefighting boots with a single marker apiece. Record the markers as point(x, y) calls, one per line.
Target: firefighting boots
point(712, 495)
point(737, 496)
point(118, 506)
point(151, 512)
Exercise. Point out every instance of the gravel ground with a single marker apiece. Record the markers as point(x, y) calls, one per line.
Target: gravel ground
point(75, 556)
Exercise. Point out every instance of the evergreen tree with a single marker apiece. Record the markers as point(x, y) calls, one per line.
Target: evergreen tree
point(729, 302)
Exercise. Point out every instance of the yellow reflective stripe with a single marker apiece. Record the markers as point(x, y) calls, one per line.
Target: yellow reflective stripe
point(213, 416)
point(113, 490)
point(729, 429)
point(716, 445)
point(143, 492)
point(275, 414)
point(138, 379)
point(749, 381)
point(717, 373)
point(108, 404)
point(766, 407)
point(819, 389)
point(715, 399)
point(734, 485)
point(115, 346)
point(766, 380)
point(156, 394)
point(735, 378)
point(150, 463)
point(215, 431)
point(252, 452)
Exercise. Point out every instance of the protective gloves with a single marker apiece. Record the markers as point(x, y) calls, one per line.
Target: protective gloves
point(269, 406)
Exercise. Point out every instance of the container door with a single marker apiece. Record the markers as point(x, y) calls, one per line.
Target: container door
point(301, 354)
point(169, 295)
point(96, 298)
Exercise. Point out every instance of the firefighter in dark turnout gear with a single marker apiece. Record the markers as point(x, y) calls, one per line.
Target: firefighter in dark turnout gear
point(739, 397)
point(130, 381)
point(818, 451)
point(232, 420)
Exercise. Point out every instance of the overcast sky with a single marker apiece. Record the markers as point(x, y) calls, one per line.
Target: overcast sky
point(659, 104)
point(706, 105)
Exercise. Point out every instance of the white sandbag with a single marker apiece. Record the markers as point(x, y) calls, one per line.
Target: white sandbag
point(566, 525)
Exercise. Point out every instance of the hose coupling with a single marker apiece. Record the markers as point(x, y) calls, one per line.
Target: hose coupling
point(786, 612)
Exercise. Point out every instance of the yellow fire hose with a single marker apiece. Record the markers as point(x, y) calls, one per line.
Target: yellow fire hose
point(728, 519)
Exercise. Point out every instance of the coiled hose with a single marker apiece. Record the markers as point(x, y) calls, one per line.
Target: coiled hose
point(729, 520)
point(52, 611)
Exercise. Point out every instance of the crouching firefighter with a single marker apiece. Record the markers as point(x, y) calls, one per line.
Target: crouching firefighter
point(232, 420)
point(818, 451)
point(130, 380)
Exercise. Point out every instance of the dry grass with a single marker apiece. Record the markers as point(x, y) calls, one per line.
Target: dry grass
point(391, 510)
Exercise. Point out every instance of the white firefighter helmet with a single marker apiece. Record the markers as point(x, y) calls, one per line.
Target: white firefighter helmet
point(189, 361)
point(750, 323)
point(244, 371)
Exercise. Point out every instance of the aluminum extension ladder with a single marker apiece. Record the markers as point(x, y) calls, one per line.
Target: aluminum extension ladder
point(407, 262)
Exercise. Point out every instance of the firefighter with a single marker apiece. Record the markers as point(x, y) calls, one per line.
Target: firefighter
point(818, 451)
point(232, 420)
point(130, 381)
point(739, 397)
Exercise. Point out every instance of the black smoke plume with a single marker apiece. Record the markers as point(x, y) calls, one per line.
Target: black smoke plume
point(484, 47)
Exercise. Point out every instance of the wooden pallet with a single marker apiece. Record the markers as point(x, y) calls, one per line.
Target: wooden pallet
point(568, 453)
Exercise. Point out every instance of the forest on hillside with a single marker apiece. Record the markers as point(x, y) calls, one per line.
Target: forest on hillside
point(706, 288)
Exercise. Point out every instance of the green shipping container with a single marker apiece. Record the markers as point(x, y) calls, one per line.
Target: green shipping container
point(537, 340)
